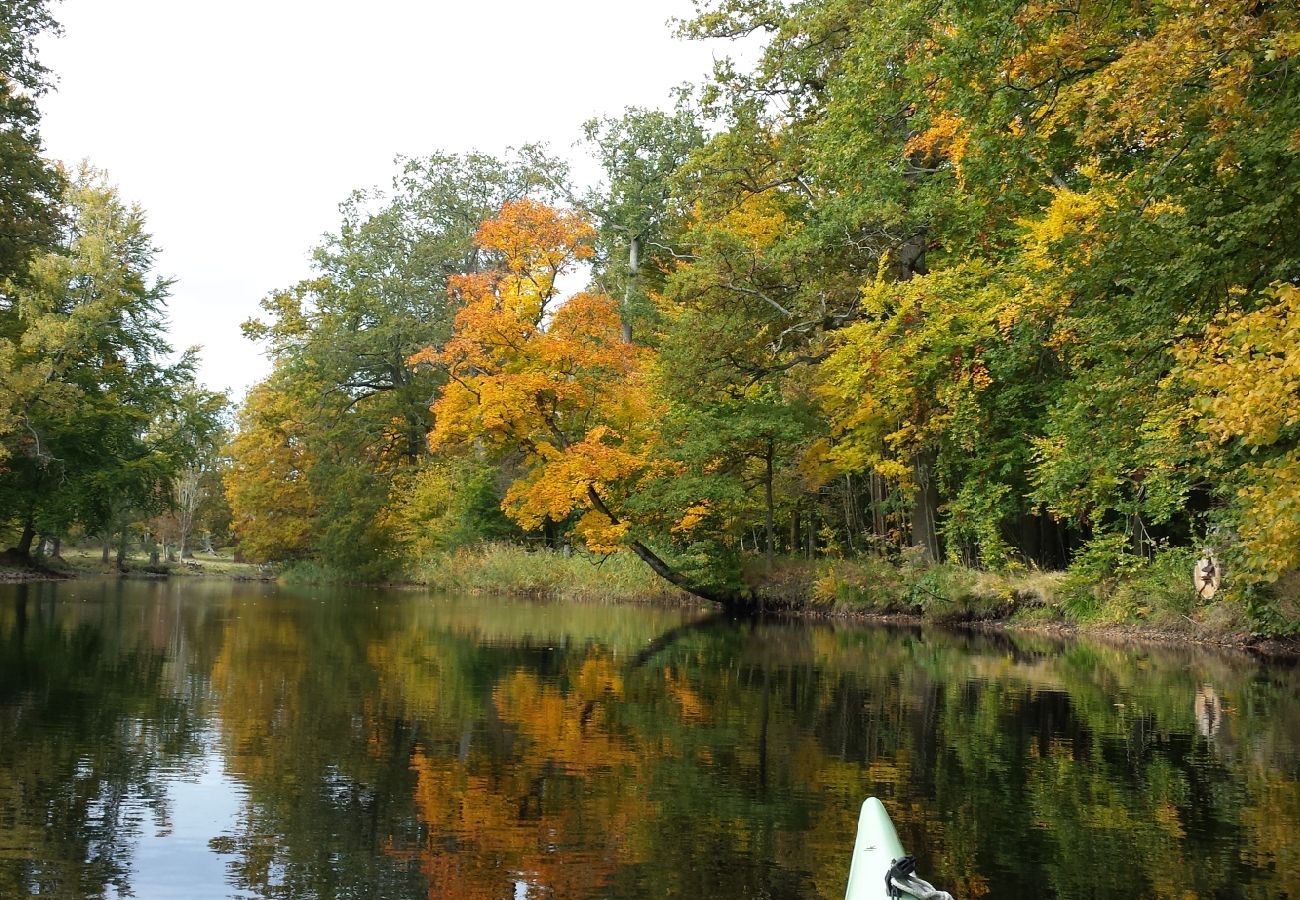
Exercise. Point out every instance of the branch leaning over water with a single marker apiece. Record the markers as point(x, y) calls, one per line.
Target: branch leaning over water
point(729, 599)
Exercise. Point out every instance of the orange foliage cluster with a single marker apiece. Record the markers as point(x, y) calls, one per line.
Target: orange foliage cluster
point(554, 379)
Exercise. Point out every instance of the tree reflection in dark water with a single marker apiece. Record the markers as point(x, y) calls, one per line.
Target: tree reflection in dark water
point(86, 724)
point(397, 745)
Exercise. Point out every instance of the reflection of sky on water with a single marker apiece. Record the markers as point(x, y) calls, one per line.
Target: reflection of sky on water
point(174, 860)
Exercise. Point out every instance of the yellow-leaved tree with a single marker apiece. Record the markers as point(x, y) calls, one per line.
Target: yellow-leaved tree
point(1246, 373)
point(551, 379)
point(271, 499)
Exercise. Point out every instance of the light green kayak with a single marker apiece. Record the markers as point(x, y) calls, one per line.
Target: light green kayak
point(874, 851)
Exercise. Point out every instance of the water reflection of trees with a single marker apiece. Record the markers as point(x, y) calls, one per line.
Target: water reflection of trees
point(733, 765)
point(401, 747)
point(87, 715)
point(482, 760)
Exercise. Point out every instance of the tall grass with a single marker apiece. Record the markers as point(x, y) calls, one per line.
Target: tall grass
point(510, 569)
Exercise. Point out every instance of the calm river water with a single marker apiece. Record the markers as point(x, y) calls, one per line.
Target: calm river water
point(200, 739)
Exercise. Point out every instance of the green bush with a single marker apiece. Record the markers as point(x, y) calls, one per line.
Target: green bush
point(1103, 562)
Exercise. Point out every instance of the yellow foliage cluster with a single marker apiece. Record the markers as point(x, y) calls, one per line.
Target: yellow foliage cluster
point(1246, 373)
point(899, 378)
point(946, 137)
point(271, 502)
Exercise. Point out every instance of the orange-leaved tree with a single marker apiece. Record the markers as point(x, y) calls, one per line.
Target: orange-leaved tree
point(552, 379)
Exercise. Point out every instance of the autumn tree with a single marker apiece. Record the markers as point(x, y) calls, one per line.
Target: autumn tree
point(1245, 373)
point(1050, 191)
point(343, 337)
point(273, 507)
point(552, 378)
point(105, 420)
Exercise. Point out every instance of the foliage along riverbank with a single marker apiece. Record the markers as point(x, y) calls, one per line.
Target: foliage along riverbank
point(895, 289)
point(1155, 604)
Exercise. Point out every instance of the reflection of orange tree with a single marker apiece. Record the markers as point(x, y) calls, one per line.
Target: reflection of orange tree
point(557, 817)
point(592, 771)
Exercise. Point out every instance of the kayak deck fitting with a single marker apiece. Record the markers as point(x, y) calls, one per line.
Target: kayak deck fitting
point(880, 870)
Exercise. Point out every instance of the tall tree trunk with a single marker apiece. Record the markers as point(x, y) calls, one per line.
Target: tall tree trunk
point(188, 494)
point(879, 496)
point(1138, 530)
point(24, 547)
point(810, 529)
point(108, 546)
point(770, 524)
point(633, 281)
point(925, 506)
point(121, 549)
point(850, 524)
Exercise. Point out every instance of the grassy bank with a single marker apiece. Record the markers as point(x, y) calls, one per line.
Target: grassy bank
point(508, 569)
point(1141, 597)
point(76, 561)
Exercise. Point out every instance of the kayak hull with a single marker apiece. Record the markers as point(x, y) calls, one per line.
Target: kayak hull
point(874, 851)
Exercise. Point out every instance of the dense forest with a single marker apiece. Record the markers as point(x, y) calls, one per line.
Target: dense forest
point(1005, 286)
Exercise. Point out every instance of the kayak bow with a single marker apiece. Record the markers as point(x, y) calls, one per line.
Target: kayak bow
point(880, 870)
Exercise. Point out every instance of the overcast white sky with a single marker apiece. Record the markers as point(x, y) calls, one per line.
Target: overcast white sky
point(240, 125)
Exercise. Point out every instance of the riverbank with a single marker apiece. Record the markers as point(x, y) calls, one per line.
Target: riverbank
point(1151, 603)
point(75, 562)
point(506, 569)
point(1154, 603)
